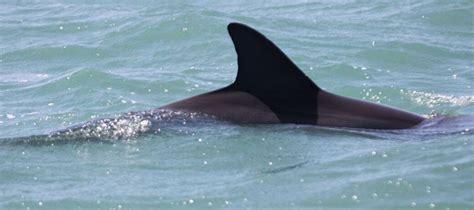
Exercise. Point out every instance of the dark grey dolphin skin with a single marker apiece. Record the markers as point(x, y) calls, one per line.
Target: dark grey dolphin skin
point(270, 88)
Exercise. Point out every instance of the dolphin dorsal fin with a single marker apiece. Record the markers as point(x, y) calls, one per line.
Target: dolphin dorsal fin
point(268, 74)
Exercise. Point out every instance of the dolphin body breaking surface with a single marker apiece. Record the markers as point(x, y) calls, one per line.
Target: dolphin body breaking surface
point(269, 88)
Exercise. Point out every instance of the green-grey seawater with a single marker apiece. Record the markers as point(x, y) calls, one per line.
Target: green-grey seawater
point(63, 63)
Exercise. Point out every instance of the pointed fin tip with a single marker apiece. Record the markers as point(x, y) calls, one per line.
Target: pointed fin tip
point(234, 26)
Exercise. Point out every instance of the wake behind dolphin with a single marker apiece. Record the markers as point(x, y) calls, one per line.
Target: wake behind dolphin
point(269, 88)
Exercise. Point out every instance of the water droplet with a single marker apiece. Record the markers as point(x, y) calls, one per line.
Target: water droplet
point(11, 116)
point(413, 204)
point(61, 28)
point(454, 168)
point(354, 197)
point(50, 104)
point(432, 205)
point(270, 163)
point(40, 203)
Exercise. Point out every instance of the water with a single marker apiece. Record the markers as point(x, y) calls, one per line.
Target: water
point(64, 63)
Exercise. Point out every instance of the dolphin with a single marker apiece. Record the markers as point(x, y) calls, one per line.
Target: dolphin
point(270, 88)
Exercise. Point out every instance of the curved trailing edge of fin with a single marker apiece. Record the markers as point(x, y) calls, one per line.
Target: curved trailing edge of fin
point(267, 73)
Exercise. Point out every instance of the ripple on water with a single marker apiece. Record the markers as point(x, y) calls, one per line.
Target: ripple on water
point(63, 63)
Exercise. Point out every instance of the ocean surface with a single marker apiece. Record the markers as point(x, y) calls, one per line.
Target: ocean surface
point(63, 63)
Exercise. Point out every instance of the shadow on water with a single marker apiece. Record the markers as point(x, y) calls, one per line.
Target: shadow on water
point(285, 168)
